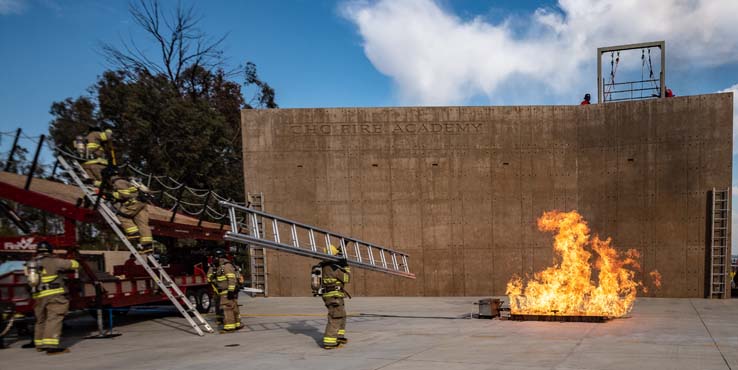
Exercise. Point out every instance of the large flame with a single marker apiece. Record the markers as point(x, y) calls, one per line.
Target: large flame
point(567, 287)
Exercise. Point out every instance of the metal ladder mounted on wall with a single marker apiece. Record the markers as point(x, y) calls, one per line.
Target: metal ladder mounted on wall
point(719, 238)
point(149, 263)
point(294, 237)
point(257, 255)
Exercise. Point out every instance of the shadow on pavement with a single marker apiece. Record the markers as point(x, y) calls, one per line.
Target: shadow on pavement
point(304, 328)
point(80, 324)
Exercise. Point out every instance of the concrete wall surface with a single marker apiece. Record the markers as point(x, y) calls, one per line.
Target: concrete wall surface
point(460, 188)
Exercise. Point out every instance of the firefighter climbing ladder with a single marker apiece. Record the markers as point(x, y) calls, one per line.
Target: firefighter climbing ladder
point(257, 255)
point(294, 237)
point(149, 263)
point(719, 258)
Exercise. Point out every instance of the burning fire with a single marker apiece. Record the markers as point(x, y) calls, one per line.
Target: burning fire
point(567, 288)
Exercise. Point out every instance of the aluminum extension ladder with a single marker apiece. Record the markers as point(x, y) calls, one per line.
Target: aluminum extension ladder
point(149, 263)
point(294, 237)
point(719, 247)
point(257, 255)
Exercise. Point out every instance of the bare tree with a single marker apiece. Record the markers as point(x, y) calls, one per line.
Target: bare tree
point(185, 54)
point(180, 42)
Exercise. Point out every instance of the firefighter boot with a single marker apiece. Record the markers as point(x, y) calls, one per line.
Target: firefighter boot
point(56, 351)
point(32, 345)
point(144, 248)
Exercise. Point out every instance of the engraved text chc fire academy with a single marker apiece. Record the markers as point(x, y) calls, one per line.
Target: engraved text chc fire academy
point(379, 129)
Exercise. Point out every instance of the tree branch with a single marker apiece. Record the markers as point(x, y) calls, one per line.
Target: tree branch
point(180, 43)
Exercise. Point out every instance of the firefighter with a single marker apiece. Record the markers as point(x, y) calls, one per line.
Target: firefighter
point(96, 155)
point(334, 277)
point(132, 211)
point(51, 303)
point(222, 276)
point(586, 100)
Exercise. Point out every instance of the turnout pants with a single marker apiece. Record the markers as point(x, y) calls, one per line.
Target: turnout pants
point(135, 221)
point(94, 170)
point(336, 326)
point(231, 314)
point(49, 313)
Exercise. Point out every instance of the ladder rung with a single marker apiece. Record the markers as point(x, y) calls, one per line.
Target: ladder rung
point(358, 253)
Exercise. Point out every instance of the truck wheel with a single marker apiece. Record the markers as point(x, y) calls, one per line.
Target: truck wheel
point(192, 297)
point(204, 301)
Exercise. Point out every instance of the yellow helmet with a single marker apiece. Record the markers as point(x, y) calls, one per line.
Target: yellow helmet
point(332, 250)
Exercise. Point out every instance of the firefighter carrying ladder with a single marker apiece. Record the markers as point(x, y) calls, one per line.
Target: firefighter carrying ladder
point(149, 263)
point(294, 237)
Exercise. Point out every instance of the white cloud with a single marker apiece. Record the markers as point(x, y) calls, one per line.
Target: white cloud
point(12, 7)
point(436, 57)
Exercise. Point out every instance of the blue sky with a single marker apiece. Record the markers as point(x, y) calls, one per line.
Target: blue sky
point(380, 53)
point(310, 51)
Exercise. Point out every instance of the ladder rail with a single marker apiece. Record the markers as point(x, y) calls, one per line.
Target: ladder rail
point(719, 235)
point(343, 241)
point(713, 291)
point(163, 280)
point(247, 239)
point(165, 283)
point(258, 255)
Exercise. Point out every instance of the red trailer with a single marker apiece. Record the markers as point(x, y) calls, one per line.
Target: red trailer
point(129, 285)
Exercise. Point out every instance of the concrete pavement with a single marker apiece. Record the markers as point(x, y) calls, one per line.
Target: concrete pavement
point(408, 333)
